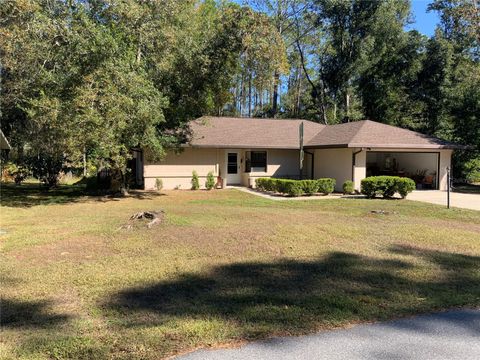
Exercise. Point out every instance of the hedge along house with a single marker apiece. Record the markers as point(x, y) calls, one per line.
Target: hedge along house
point(239, 150)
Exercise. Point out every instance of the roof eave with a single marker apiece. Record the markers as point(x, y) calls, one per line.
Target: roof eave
point(327, 146)
point(236, 146)
point(410, 146)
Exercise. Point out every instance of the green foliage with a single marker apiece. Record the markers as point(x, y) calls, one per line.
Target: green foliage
point(404, 186)
point(310, 187)
point(296, 187)
point(195, 181)
point(102, 78)
point(378, 185)
point(326, 185)
point(210, 182)
point(291, 187)
point(105, 77)
point(472, 170)
point(158, 184)
point(46, 167)
point(386, 186)
point(348, 187)
point(18, 173)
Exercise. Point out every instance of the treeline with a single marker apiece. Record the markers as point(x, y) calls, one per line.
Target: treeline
point(96, 78)
point(354, 59)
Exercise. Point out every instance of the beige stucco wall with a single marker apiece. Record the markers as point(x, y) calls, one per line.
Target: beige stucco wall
point(334, 163)
point(176, 169)
point(445, 161)
point(360, 170)
point(281, 163)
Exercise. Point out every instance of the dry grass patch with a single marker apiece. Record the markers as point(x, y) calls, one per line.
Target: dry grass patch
point(224, 267)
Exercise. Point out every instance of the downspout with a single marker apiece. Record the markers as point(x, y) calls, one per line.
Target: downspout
point(309, 153)
point(354, 162)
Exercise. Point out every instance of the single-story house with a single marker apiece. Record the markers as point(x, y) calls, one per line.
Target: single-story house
point(240, 150)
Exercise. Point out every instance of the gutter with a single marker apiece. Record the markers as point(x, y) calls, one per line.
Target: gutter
point(354, 162)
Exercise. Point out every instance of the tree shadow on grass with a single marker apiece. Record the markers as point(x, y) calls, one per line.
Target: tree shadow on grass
point(467, 188)
point(29, 195)
point(28, 314)
point(292, 296)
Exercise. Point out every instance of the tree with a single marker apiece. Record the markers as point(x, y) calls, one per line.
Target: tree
point(459, 27)
point(460, 21)
point(262, 58)
point(101, 77)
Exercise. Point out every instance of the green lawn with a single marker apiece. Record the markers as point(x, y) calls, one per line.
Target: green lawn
point(225, 267)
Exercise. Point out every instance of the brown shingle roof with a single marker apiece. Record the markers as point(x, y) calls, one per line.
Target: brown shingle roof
point(369, 133)
point(230, 132)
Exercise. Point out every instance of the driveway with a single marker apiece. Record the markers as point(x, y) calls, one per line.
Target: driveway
point(461, 200)
point(450, 335)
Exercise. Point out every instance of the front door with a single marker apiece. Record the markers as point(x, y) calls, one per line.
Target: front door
point(233, 168)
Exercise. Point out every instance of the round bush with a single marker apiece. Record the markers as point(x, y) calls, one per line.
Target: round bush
point(348, 187)
point(326, 185)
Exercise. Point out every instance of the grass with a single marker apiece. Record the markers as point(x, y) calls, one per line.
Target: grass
point(225, 267)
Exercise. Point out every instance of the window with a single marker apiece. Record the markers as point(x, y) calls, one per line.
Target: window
point(256, 161)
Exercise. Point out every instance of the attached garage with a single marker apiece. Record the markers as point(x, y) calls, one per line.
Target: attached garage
point(422, 167)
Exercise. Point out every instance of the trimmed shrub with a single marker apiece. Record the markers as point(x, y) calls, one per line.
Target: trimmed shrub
point(158, 184)
point(387, 186)
point(210, 183)
point(405, 186)
point(348, 187)
point(260, 184)
point(296, 187)
point(309, 187)
point(378, 185)
point(195, 181)
point(326, 185)
point(291, 187)
point(268, 184)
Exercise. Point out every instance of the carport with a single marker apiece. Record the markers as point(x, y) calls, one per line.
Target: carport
point(422, 167)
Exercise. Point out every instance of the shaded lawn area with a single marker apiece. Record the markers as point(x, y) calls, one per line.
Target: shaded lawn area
point(225, 267)
point(467, 188)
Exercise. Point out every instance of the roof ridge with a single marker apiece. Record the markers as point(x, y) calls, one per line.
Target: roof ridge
point(399, 128)
point(359, 129)
point(254, 118)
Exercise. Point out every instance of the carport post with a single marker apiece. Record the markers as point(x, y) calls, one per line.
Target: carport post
point(448, 187)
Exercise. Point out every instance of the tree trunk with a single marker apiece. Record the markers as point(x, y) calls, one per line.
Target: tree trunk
point(276, 80)
point(347, 106)
point(84, 163)
point(250, 95)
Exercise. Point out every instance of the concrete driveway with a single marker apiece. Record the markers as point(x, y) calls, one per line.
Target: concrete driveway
point(461, 200)
point(450, 335)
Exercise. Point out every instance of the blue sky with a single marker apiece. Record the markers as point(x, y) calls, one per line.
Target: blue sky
point(425, 22)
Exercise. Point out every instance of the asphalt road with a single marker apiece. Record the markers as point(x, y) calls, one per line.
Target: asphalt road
point(450, 335)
